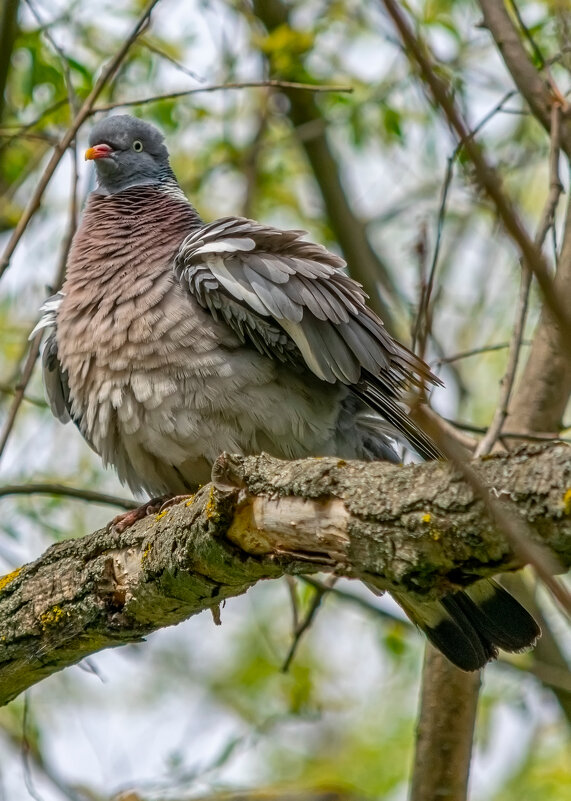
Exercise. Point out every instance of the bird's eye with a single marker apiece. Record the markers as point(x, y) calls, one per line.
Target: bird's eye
point(137, 145)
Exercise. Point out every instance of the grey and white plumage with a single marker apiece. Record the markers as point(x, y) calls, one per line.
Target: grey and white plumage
point(174, 340)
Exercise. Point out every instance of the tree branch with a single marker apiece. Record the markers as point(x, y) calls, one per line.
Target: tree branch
point(443, 686)
point(292, 85)
point(418, 529)
point(351, 232)
point(547, 221)
point(48, 488)
point(485, 174)
point(106, 75)
point(545, 386)
point(538, 91)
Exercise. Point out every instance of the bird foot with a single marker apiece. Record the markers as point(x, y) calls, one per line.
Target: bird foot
point(125, 520)
point(155, 506)
point(173, 501)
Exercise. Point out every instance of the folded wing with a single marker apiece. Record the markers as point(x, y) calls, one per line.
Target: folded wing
point(292, 301)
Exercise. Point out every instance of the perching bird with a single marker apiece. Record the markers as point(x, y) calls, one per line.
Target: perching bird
point(174, 340)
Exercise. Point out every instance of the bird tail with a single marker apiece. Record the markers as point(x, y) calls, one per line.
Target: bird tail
point(469, 626)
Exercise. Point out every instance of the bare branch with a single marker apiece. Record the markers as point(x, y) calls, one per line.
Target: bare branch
point(547, 221)
point(64, 61)
point(66, 492)
point(365, 265)
point(485, 174)
point(144, 42)
point(304, 87)
point(425, 313)
point(34, 350)
point(545, 385)
point(303, 625)
point(5, 389)
point(106, 75)
point(399, 526)
point(538, 91)
point(466, 354)
point(356, 600)
point(20, 389)
point(449, 699)
point(515, 435)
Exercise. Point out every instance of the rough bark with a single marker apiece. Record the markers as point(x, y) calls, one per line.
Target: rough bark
point(417, 529)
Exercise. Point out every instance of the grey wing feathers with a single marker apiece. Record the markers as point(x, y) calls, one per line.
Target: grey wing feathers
point(55, 383)
point(290, 298)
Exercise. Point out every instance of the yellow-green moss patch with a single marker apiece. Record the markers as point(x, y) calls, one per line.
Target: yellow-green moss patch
point(9, 577)
point(210, 509)
point(52, 617)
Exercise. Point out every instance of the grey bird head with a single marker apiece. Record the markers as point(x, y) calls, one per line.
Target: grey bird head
point(128, 152)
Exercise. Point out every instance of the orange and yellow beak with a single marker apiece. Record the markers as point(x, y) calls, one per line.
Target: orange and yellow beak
point(98, 152)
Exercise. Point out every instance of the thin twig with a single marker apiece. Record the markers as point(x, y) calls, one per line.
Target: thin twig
point(537, 92)
point(425, 313)
point(306, 622)
point(69, 492)
point(526, 32)
point(14, 132)
point(546, 222)
point(356, 600)
point(466, 354)
point(32, 755)
point(26, 748)
point(89, 666)
point(422, 325)
point(106, 75)
point(34, 137)
point(486, 175)
point(19, 390)
point(550, 675)
point(536, 436)
point(144, 42)
point(71, 94)
point(543, 64)
point(251, 160)
point(7, 390)
point(506, 384)
point(292, 586)
point(72, 220)
point(306, 87)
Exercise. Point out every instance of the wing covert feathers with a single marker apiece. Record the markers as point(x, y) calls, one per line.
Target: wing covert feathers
point(292, 301)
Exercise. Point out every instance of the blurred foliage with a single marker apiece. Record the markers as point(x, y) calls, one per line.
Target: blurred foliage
point(545, 774)
point(200, 709)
